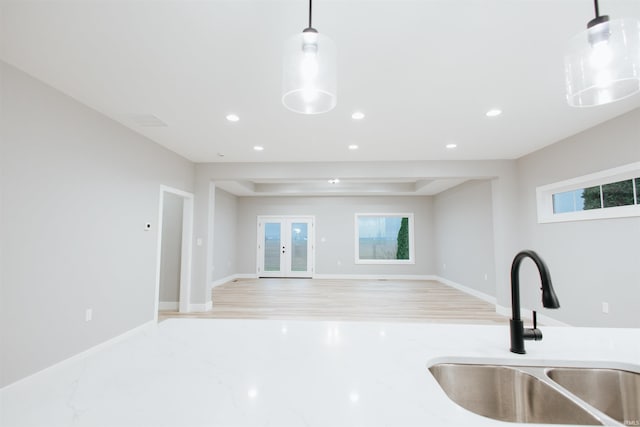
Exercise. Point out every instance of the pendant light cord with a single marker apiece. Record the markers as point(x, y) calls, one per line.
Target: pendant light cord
point(310, 7)
point(598, 19)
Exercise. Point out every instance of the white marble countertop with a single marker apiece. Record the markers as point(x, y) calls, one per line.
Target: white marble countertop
point(197, 372)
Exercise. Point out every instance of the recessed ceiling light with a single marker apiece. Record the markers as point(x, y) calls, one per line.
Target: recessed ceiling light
point(334, 181)
point(493, 112)
point(252, 393)
point(358, 115)
point(353, 147)
point(451, 146)
point(258, 147)
point(232, 117)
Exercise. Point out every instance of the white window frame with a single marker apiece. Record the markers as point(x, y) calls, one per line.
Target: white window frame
point(412, 256)
point(544, 195)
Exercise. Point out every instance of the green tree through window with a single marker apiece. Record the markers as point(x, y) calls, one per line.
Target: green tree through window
point(403, 240)
point(618, 194)
point(614, 194)
point(591, 198)
point(384, 238)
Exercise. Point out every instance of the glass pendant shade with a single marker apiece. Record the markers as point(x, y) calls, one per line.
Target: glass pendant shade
point(309, 77)
point(603, 63)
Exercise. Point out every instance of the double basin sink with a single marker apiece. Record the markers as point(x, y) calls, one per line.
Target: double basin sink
point(543, 394)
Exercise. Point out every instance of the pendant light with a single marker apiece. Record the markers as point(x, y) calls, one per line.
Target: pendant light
point(603, 63)
point(309, 78)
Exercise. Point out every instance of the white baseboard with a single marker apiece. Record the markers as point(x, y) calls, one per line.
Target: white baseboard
point(208, 306)
point(485, 297)
point(219, 282)
point(375, 276)
point(504, 311)
point(228, 279)
point(245, 276)
point(86, 353)
point(168, 305)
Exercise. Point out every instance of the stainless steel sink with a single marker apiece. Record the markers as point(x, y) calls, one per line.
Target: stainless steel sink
point(509, 394)
point(614, 392)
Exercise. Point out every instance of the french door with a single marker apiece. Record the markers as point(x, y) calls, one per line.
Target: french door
point(285, 246)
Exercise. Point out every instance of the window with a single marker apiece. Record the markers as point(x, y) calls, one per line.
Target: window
point(613, 193)
point(574, 200)
point(618, 194)
point(384, 239)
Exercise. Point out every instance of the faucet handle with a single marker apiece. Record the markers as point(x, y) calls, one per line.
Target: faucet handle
point(533, 334)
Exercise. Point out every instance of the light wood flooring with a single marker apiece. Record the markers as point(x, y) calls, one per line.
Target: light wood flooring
point(364, 300)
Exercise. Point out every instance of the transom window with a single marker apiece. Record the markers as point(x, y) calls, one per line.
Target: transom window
point(384, 238)
point(613, 193)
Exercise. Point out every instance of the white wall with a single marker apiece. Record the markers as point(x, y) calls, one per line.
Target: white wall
point(464, 236)
point(77, 189)
point(171, 248)
point(225, 235)
point(590, 261)
point(335, 231)
point(203, 216)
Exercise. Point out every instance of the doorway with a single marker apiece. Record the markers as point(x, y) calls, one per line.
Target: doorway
point(285, 246)
point(174, 265)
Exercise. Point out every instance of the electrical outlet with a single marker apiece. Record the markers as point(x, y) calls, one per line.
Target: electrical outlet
point(605, 307)
point(88, 315)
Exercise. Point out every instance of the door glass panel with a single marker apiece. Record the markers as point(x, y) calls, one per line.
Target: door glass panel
point(272, 246)
point(299, 237)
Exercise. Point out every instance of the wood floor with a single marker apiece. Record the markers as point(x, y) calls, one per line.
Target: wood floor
point(364, 300)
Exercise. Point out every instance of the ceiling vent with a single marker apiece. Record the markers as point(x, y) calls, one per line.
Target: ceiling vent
point(147, 120)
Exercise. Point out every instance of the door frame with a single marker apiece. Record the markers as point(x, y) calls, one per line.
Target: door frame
point(186, 250)
point(311, 236)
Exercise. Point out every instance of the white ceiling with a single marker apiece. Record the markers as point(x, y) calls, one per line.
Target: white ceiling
point(424, 72)
point(385, 185)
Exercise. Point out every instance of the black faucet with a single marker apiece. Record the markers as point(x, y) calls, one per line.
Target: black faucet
point(549, 300)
